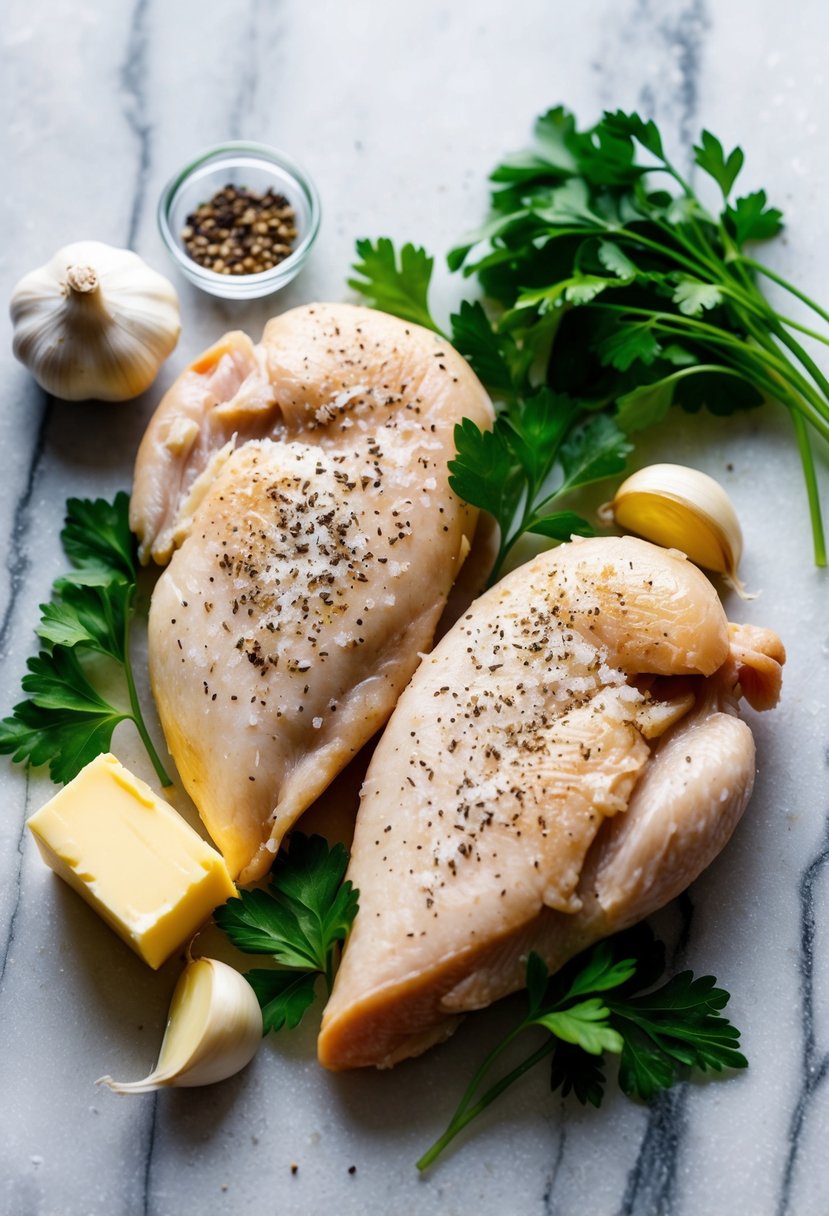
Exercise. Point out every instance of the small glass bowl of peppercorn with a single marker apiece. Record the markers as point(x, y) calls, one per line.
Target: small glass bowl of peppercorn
point(240, 220)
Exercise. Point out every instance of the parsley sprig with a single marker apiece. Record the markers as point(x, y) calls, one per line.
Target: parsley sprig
point(613, 285)
point(598, 1005)
point(65, 721)
point(300, 921)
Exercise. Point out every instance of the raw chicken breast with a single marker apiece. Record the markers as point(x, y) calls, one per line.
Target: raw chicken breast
point(565, 762)
point(305, 482)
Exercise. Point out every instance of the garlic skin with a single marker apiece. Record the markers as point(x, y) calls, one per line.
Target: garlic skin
point(214, 1028)
point(681, 508)
point(94, 322)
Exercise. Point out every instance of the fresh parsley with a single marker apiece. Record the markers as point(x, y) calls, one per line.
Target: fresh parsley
point(612, 284)
point(65, 721)
point(506, 471)
point(604, 1003)
point(300, 921)
point(398, 284)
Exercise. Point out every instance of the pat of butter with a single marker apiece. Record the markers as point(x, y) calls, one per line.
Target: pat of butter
point(132, 857)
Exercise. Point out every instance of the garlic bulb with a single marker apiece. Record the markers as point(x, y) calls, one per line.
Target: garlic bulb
point(213, 1030)
point(681, 508)
point(94, 322)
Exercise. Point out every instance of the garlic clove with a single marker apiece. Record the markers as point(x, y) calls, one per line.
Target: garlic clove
point(214, 1028)
point(681, 508)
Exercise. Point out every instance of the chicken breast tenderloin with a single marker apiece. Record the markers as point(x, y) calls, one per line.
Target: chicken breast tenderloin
point(566, 761)
point(304, 482)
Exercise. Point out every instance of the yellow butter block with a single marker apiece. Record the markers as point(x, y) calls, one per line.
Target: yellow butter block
point(132, 857)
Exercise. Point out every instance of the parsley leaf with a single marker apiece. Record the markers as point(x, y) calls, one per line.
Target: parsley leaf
point(615, 260)
point(65, 722)
point(285, 996)
point(299, 921)
point(646, 405)
point(574, 1071)
point(596, 450)
point(539, 428)
point(92, 611)
point(586, 1025)
point(693, 297)
point(711, 158)
point(485, 471)
point(399, 285)
point(676, 1027)
point(629, 344)
point(494, 357)
point(751, 219)
point(631, 125)
point(96, 535)
point(506, 471)
point(597, 1004)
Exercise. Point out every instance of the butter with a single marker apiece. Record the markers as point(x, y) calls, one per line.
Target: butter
point(132, 857)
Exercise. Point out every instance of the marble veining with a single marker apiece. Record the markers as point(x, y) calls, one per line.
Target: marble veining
point(132, 80)
point(399, 114)
point(650, 1186)
point(18, 563)
point(814, 1063)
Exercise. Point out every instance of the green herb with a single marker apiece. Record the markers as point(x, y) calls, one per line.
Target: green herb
point(300, 921)
point(610, 282)
point(506, 470)
point(66, 722)
point(595, 1005)
point(398, 285)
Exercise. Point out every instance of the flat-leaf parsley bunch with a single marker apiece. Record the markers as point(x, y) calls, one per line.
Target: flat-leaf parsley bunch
point(603, 1003)
point(65, 720)
point(613, 292)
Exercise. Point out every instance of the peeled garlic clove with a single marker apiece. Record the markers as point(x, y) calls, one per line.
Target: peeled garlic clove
point(681, 508)
point(213, 1030)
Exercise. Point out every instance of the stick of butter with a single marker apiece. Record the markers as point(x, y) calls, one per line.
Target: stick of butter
point(132, 857)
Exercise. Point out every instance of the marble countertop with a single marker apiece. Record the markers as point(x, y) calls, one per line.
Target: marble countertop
point(398, 111)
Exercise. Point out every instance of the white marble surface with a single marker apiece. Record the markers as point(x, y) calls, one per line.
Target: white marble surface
point(398, 111)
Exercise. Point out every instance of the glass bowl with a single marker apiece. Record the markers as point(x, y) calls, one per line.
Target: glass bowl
point(257, 167)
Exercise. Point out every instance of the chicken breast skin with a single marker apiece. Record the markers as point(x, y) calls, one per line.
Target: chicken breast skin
point(566, 761)
point(302, 489)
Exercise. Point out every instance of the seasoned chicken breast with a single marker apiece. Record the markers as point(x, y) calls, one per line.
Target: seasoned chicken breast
point(303, 486)
point(565, 762)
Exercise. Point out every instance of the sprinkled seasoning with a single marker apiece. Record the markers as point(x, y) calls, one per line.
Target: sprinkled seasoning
point(240, 231)
point(534, 741)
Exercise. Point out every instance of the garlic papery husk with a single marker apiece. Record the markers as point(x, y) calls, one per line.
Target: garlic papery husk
point(94, 322)
point(213, 1030)
point(681, 508)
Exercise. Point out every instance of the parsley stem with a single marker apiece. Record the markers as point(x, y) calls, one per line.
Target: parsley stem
point(803, 441)
point(786, 285)
point(807, 460)
point(465, 1113)
point(790, 323)
point(743, 355)
point(330, 968)
point(785, 367)
point(673, 254)
point(804, 357)
point(137, 716)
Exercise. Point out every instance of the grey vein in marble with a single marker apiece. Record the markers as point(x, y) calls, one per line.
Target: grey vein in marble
point(132, 74)
point(814, 1064)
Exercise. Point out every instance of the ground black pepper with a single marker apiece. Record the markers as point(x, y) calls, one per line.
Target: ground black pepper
point(240, 231)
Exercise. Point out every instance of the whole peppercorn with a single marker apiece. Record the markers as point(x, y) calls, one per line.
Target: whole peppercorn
point(240, 231)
